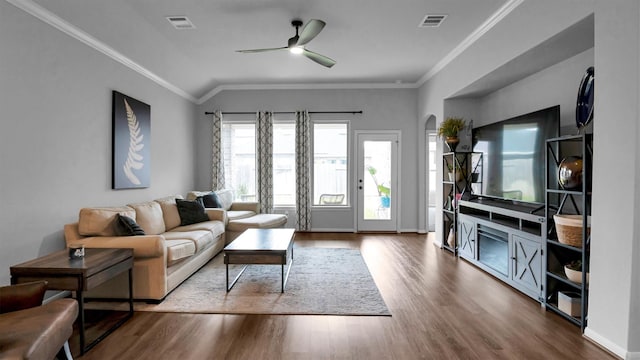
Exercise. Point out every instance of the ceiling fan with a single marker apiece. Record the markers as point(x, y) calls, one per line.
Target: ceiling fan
point(296, 44)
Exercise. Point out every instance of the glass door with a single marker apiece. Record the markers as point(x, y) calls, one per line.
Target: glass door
point(377, 181)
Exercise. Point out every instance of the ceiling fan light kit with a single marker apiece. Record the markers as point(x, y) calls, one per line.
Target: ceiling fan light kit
point(295, 44)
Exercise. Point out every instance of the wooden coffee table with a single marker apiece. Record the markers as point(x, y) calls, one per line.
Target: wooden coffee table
point(261, 246)
point(79, 275)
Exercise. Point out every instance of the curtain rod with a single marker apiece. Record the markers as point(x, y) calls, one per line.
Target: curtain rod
point(285, 112)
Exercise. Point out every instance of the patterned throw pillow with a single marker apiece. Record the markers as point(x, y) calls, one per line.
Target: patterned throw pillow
point(128, 227)
point(191, 212)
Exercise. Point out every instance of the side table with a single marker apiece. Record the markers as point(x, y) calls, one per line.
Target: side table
point(79, 275)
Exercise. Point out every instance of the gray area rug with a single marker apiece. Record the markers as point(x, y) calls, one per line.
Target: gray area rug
point(323, 281)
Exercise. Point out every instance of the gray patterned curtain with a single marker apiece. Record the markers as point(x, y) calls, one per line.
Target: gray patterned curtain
point(217, 158)
point(264, 154)
point(303, 156)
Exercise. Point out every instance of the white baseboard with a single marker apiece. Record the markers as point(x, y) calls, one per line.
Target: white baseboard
point(332, 230)
point(609, 345)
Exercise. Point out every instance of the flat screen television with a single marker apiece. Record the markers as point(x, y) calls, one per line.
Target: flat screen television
point(513, 160)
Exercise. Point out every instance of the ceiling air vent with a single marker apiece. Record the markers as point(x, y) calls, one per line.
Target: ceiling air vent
point(181, 22)
point(432, 20)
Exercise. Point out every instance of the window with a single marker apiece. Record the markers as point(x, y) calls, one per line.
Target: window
point(330, 164)
point(284, 164)
point(431, 138)
point(239, 142)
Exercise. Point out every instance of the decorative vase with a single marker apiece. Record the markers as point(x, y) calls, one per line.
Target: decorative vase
point(385, 202)
point(452, 142)
point(570, 172)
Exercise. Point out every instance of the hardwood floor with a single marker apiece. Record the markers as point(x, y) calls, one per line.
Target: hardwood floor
point(442, 307)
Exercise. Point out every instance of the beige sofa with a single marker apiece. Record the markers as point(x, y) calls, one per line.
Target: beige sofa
point(164, 257)
point(241, 216)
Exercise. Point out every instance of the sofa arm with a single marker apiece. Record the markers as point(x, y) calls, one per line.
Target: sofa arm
point(246, 206)
point(217, 214)
point(144, 246)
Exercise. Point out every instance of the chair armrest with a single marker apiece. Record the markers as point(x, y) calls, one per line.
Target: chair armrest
point(144, 246)
point(217, 214)
point(22, 296)
point(246, 206)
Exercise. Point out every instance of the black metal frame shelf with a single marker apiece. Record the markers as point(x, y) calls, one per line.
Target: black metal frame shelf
point(454, 189)
point(567, 201)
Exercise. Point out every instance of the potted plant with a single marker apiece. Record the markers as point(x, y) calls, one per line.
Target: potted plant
point(449, 129)
point(383, 191)
point(573, 271)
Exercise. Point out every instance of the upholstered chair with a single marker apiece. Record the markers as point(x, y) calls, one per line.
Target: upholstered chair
point(30, 330)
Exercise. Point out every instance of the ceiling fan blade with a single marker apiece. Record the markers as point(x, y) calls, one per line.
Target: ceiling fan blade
point(260, 50)
point(320, 59)
point(311, 30)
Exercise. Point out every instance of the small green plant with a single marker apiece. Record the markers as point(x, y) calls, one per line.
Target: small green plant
point(450, 127)
point(575, 265)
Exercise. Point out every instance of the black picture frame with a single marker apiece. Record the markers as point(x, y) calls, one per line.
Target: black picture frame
point(131, 143)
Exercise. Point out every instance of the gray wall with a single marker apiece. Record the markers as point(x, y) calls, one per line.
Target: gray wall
point(55, 135)
point(614, 306)
point(394, 109)
point(614, 309)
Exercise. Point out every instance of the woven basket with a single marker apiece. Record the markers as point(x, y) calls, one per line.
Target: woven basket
point(569, 229)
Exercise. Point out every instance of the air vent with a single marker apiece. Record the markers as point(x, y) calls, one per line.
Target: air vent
point(181, 22)
point(432, 20)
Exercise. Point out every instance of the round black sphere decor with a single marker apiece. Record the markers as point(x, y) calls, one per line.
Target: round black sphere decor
point(584, 105)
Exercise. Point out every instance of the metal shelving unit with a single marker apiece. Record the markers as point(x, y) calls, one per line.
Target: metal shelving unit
point(456, 185)
point(575, 201)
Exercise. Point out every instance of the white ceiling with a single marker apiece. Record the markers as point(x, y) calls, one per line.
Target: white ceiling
point(375, 42)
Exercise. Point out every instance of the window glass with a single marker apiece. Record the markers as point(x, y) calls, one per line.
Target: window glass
point(284, 164)
point(330, 164)
point(239, 143)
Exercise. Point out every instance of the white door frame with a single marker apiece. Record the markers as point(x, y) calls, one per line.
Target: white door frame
point(395, 184)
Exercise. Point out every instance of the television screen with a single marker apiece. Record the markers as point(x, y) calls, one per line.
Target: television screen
point(513, 160)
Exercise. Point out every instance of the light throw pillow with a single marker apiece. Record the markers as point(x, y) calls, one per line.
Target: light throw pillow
point(191, 212)
point(128, 227)
point(226, 198)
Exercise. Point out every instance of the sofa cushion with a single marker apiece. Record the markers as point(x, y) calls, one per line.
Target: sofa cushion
point(179, 249)
point(170, 211)
point(201, 238)
point(239, 214)
point(191, 212)
point(149, 217)
point(215, 227)
point(226, 198)
point(101, 221)
point(260, 221)
point(128, 227)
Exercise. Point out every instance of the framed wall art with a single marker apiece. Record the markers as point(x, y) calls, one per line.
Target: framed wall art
point(131, 156)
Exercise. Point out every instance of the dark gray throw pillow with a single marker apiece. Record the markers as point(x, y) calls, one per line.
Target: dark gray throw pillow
point(210, 200)
point(191, 212)
point(128, 227)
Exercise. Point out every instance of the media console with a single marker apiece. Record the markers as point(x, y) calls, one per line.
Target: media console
point(506, 239)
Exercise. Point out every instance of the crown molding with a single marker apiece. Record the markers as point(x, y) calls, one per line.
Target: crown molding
point(305, 86)
point(53, 20)
point(48, 17)
point(487, 25)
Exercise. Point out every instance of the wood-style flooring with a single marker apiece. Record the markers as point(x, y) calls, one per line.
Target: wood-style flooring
point(442, 307)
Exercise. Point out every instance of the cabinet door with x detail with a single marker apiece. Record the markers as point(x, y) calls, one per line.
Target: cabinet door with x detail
point(527, 264)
